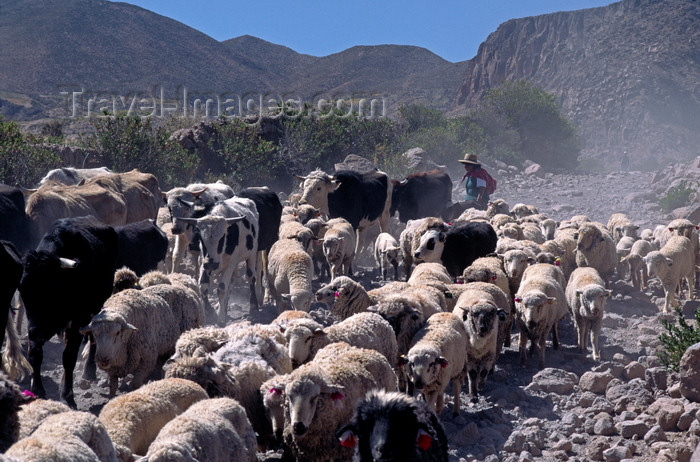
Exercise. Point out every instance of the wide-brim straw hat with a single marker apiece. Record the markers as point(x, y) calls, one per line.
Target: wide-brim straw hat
point(470, 159)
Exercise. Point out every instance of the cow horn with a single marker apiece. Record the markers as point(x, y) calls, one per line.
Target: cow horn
point(200, 192)
point(404, 182)
point(189, 221)
point(232, 220)
point(186, 203)
point(68, 263)
point(300, 178)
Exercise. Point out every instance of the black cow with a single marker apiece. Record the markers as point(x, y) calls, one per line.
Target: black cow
point(423, 194)
point(270, 213)
point(65, 282)
point(11, 268)
point(466, 242)
point(360, 198)
point(142, 245)
point(14, 224)
point(456, 247)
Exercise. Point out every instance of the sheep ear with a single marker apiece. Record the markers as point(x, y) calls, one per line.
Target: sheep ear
point(347, 437)
point(579, 293)
point(319, 332)
point(551, 300)
point(424, 440)
point(403, 360)
point(608, 293)
point(442, 361)
point(531, 261)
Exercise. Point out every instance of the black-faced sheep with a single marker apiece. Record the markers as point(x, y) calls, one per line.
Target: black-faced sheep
point(134, 419)
point(11, 397)
point(437, 356)
point(211, 430)
point(394, 426)
point(586, 295)
point(480, 314)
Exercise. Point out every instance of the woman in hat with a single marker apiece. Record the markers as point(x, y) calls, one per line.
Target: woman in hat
point(479, 183)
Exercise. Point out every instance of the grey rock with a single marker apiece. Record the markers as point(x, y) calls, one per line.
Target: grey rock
point(634, 370)
point(515, 442)
point(667, 412)
point(630, 428)
point(595, 449)
point(657, 378)
point(654, 435)
point(604, 426)
point(690, 373)
point(595, 382)
point(617, 453)
point(551, 380)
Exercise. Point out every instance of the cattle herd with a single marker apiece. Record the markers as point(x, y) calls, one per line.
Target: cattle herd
point(141, 279)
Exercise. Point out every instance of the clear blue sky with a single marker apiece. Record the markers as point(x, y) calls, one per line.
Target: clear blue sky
point(452, 29)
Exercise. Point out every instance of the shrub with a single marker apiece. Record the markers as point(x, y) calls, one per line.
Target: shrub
point(677, 196)
point(125, 142)
point(23, 160)
point(677, 339)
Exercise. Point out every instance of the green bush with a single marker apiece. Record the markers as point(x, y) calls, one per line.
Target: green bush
point(677, 196)
point(23, 160)
point(677, 339)
point(127, 142)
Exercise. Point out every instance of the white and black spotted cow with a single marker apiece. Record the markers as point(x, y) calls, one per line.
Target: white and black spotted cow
point(228, 237)
point(193, 201)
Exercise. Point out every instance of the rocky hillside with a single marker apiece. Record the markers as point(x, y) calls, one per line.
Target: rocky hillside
point(627, 74)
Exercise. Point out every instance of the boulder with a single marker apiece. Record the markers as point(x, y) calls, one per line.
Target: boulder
point(667, 411)
point(690, 373)
point(595, 382)
point(551, 380)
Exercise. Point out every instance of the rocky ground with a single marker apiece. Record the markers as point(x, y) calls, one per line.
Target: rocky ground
point(624, 407)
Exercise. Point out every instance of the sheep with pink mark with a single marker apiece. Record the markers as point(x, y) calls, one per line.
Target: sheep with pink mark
point(320, 397)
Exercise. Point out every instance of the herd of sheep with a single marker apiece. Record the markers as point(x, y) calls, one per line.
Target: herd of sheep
point(342, 385)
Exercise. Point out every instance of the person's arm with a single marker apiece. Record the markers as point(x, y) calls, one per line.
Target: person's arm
point(480, 197)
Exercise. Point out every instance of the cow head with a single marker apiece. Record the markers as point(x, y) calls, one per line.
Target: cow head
point(431, 244)
point(316, 187)
point(218, 235)
point(181, 204)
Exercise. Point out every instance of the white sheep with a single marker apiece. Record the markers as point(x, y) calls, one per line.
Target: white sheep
point(674, 262)
point(282, 319)
point(586, 295)
point(134, 419)
point(635, 263)
point(238, 378)
point(522, 210)
point(548, 228)
point(514, 264)
point(623, 248)
point(620, 226)
point(505, 244)
point(209, 431)
point(290, 270)
point(563, 251)
point(386, 252)
point(497, 207)
point(362, 330)
point(298, 232)
point(500, 219)
point(481, 316)
point(437, 356)
point(272, 393)
point(321, 397)
point(339, 247)
point(595, 248)
point(540, 303)
point(135, 333)
point(319, 227)
point(33, 413)
point(436, 277)
point(67, 436)
point(345, 297)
